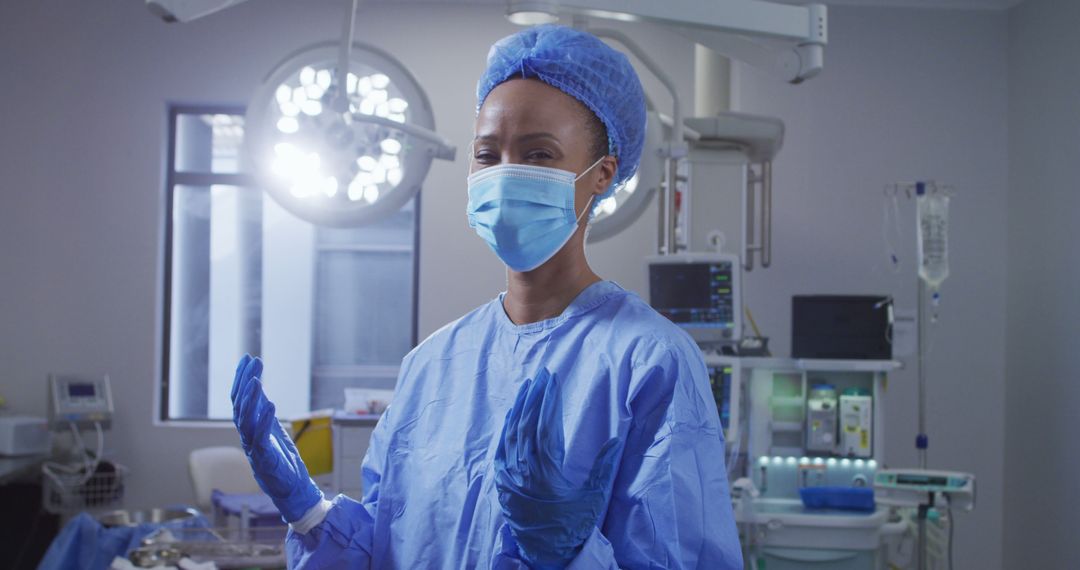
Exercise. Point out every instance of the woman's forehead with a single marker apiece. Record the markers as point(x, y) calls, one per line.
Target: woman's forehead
point(529, 105)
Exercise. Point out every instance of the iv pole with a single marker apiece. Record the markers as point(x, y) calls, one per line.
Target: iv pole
point(922, 440)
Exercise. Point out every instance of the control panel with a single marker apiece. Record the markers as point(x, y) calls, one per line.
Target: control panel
point(80, 400)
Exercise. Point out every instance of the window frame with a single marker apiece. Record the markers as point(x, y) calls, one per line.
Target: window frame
point(172, 179)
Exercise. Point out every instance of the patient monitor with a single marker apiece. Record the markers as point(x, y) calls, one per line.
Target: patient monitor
point(700, 292)
point(79, 400)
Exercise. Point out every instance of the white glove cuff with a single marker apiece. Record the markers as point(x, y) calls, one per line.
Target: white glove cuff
point(312, 517)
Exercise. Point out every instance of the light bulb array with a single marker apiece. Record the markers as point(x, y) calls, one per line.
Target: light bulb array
point(305, 108)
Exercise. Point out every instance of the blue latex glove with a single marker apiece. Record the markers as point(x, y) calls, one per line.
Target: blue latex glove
point(277, 465)
point(549, 517)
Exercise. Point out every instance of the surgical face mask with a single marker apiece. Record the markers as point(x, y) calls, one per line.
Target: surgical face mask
point(525, 213)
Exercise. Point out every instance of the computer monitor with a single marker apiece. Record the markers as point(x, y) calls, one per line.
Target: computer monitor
point(700, 293)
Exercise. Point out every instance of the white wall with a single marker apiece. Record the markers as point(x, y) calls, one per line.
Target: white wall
point(1043, 391)
point(906, 94)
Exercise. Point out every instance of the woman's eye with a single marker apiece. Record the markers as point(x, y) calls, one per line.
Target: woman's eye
point(485, 157)
point(538, 155)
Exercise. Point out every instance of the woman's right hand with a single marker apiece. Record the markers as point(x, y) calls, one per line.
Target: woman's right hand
point(274, 459)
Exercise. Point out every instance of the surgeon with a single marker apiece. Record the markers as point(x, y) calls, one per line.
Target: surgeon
point(563, 424)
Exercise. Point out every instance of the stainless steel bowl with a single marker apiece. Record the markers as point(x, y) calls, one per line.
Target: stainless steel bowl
point(134, 518)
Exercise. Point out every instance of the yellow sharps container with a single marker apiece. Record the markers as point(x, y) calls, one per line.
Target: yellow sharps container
point(314, 442)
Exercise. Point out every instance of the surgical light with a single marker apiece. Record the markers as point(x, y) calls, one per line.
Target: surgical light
point(390, 146)
point(608, 205)
point(363, 85)
point(311, 108)
point(532, 12)
point(287, 124)
point(290, 109)
point(371, 193)
point(367, 162)
point(284, 94)
point(378, 96)
point(307, 76)
point(313, 91)
point(341, 149)
point(531, 18)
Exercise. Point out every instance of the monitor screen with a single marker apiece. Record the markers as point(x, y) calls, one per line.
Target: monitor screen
point(922, 480)
point(720, 381)
point(694, 294)
point(81, 390)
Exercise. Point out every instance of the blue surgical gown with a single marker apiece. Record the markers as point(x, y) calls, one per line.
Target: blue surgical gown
point(429, 492)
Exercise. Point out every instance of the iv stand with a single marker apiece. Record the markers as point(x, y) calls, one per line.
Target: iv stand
point(921, 440)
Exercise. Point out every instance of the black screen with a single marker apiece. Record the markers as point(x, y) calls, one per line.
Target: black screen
point(841, 327)
point(937, 481)
point(81, 390)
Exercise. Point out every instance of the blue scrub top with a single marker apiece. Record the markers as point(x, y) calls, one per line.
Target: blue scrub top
point(625, 370)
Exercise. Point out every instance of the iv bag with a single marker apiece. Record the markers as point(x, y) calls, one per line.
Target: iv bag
point(933, 218)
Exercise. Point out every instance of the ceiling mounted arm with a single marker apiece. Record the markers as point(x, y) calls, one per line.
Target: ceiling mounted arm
point(183, 11)
point(725, 26)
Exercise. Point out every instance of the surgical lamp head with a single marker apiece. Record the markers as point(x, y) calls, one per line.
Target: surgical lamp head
point(531, 12)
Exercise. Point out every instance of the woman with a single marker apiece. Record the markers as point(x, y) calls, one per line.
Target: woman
point(563, 424)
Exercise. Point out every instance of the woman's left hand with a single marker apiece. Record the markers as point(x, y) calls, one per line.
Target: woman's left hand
point(549, 516)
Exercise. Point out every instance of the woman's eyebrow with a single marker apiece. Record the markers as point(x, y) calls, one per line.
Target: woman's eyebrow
point(520, 138)
point(538, 135)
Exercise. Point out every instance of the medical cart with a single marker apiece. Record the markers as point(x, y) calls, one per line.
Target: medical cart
point(779, 425)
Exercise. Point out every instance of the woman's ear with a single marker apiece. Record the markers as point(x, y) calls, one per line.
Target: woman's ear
point(608, 168)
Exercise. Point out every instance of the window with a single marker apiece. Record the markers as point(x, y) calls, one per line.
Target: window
point(326, 308)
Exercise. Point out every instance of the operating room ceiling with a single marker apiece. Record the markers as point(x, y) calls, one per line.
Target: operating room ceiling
point(946, 4)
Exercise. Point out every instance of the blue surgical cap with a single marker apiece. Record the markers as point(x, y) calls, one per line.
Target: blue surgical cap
point(580, 65)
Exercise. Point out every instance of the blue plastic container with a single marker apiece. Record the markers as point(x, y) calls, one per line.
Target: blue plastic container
point(843, 498)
